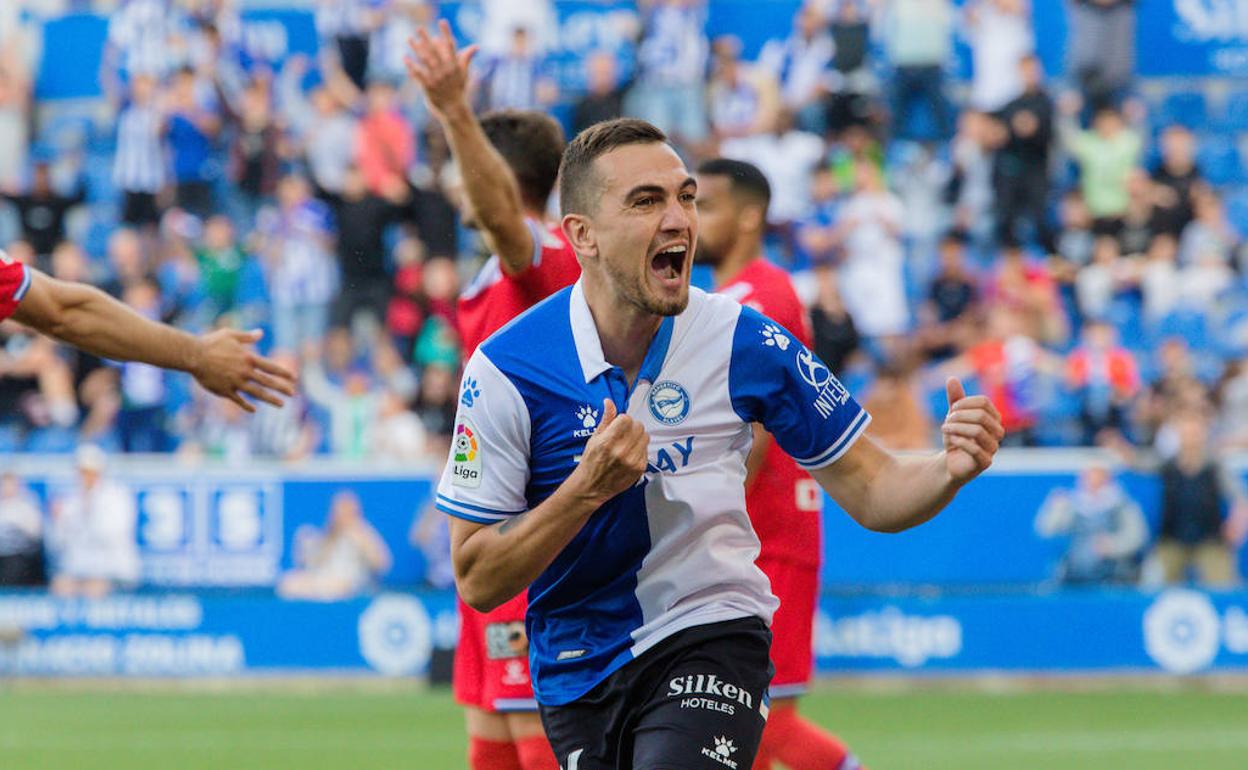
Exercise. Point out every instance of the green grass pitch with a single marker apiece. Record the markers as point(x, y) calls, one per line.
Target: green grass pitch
point(275, 728)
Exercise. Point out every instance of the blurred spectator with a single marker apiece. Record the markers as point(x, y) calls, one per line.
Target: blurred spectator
point(1101, 49)
point(1027, 287)
point(285, 433)
point(221, 263)
point(1209, 235)
point(871, 276)
point(918, 36)
point(1100, 281)
point(138, 40)
point(384, 142)
point(1021, 166)
point(1001, 36)
point(788, 158)
point(1204, 508)
point(345, 560)
point(400, 435)
point(1106, 155)
point(1176, 181)
point(815, 234)
point(191, 127)
point(852, 79)
point(15, 113)
point(353, 407)
point(1173, 388)
point(139, 163)
point(323, 130)
point(1106, 530)
point(671, 62)
point(947, 315)
point(92, 533)
point(141, 422)
point(604, 96)
point(899, 418)
point(1105, 378)
point(743, 98)
point(516, 79)
point(799, 64)
point(836, 337)
point(435, 405)
point(971, 185)
point(347, 25)
point(387, 48)
point(42, 210)
point(21, 535)
point(431, 533)
point(1232, 420)
point(302, 276)
point(1074, 239)
point(1159, 279)
point(362, 218)
point(254, 159)
point(500, 18)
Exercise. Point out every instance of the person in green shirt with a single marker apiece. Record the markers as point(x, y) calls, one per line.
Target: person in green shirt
point(1106, 153)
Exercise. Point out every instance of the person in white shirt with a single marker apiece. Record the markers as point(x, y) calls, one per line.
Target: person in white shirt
point(92, 537)
point(800, 63)
point(870, 230)
point(1000, 34)
point(343, 562)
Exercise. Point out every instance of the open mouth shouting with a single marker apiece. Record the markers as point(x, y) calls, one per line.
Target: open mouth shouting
point(668, 265)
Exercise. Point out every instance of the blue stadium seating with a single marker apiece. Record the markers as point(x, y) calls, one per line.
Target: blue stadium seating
point(1187, 108)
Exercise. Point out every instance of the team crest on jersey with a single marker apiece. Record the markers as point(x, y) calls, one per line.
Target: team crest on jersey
point(669, 402)
point(466, 456)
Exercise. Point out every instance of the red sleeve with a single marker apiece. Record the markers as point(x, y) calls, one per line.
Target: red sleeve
point(14, 282)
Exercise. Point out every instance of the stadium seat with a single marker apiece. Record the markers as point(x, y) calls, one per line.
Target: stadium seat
point(1237, 209)
point(1234, 117)
point(1219, 160)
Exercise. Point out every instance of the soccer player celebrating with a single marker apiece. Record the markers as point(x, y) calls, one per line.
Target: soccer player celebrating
point(601, 463)
point(222, 362)
point(508, 163)
point(784, 503)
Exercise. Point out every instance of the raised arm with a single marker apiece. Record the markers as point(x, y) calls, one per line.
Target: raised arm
point(223, 361)
point(886, 492)
point(489, 184)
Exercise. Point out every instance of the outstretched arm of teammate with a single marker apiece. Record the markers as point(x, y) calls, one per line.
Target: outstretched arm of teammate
point(886, 492)
point(495, 562)
point(223, 361)
point(491, 188)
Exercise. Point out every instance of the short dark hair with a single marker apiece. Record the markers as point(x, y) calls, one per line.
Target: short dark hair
point(576, 172)
point(745, 179)
point(532, 144)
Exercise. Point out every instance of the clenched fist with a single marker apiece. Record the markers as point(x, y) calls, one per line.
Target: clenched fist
point(615, 456)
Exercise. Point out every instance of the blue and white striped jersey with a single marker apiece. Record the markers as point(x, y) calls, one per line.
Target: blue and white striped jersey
point(677, 550)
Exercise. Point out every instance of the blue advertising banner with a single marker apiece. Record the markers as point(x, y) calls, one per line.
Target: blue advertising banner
point(190, 635)
point(1177, 631)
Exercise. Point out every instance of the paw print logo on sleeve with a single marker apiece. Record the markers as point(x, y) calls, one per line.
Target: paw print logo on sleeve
point(774, 336)
point(471, 392)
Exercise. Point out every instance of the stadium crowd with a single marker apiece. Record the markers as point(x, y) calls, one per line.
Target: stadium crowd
point(1075, 248)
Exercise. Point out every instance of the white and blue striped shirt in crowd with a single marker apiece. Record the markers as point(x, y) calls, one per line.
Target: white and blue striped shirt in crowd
point(676, 550)
point(674, 50)
point(510, 82)
point(139, 164)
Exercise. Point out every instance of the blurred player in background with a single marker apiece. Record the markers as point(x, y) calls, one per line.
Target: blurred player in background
point(648, 622)
point(784, 502)
point(222, 362)
point(507, 163)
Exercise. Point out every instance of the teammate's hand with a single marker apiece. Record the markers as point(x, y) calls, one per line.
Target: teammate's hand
point(439, 67)
point(615, 455)
point(228, 366)
point(972, 433)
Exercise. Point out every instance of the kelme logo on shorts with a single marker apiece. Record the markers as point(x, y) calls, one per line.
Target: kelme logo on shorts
point(466, 456)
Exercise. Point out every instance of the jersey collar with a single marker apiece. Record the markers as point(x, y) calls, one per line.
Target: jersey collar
point(589, 346)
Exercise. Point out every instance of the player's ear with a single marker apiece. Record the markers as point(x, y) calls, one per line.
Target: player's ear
point(752, 218)
point(580, 234)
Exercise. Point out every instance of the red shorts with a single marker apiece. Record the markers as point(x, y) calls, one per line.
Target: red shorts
point(492, 658)
point(792, 629)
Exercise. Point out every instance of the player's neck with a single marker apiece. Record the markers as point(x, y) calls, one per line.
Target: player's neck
point(624, 330)
point(734, 262)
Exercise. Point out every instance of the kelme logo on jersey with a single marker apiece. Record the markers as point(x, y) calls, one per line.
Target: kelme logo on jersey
point(831, 393)
point(587, 416)
point(466, 456)
point(669, 402)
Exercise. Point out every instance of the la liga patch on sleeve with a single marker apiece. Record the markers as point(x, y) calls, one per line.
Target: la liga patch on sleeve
point(466, 456)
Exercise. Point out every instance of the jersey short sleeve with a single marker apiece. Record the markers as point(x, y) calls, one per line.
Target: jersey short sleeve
point(488, 467)
point(14, 283)
point(775, 380)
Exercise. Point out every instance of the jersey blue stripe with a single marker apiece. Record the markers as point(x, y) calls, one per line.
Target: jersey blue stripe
point(479, 508)
point(25, 287)
point(841, 444)
point(462, 515)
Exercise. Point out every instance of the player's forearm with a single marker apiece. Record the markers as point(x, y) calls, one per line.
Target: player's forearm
point(496, 563)
point(489, 185)
point(909, 491)
point(89, 319)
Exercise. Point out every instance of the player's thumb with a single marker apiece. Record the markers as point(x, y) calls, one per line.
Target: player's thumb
point(954, 391)
point(608, 414)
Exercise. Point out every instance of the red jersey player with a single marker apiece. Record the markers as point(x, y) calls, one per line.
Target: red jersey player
point(784, 503)
point(223, 362)
point(508, 163)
